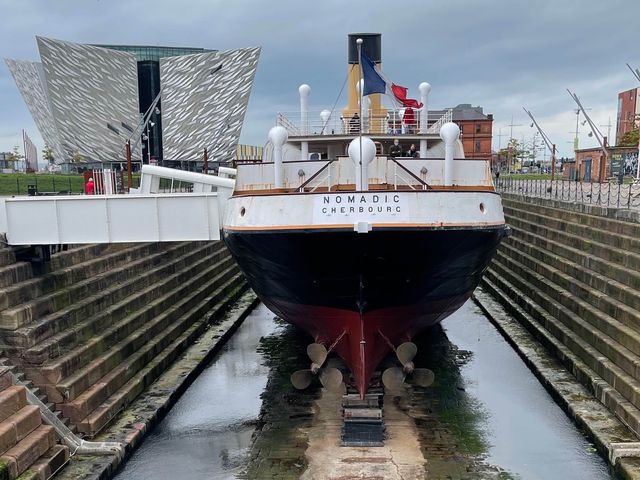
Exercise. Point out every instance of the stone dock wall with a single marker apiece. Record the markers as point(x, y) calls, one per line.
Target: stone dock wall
point(93, 331)
point(570, 274)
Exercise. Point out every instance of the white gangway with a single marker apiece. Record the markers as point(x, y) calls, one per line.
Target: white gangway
point(145, 215)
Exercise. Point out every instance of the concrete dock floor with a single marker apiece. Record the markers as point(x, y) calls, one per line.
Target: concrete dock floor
point(400, 459)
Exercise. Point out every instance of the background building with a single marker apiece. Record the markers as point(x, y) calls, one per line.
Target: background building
point(148, 65)
point(589, 161)
point(475, 128)
point(5, 163)
point(249, 152)
point(88, 100)
point(205, 98)
point(628, 108)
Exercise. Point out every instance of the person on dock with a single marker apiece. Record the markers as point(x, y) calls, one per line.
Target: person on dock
point(90, 188)
point(396, 150)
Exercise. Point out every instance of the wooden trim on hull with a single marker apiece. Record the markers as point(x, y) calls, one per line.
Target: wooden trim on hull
point(372, 187)
point(349, 226)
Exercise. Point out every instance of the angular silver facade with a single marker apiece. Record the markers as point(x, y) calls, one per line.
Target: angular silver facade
point(204, 100)
point(84, 99)
point(93, 94)
point(29, 78)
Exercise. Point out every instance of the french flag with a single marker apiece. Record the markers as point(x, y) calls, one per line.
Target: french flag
point(374, 83)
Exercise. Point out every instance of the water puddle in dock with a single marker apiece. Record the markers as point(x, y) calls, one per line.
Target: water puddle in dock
point(485, 417)
point(207, 433)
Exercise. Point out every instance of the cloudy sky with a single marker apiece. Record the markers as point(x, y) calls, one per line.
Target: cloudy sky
point(501, 54)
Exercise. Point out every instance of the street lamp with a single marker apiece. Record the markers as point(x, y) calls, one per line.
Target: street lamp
point(147, 138)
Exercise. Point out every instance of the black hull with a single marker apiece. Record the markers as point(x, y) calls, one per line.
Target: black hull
point(364, 272)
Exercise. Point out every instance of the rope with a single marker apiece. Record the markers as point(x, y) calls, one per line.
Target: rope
point(338, 98)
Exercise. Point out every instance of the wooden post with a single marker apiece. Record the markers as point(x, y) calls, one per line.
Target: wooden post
point(129, 167)
point(604, 159)
point(205, 168)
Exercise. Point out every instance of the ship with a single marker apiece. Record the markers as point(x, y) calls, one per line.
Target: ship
point(361, 248)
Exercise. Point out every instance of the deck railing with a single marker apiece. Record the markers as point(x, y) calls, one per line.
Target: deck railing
point(396, 174)
point(372, 122)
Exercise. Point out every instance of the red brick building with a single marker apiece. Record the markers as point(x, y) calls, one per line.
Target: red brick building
point(589, 161)
point(628, 108)
point(475, 129)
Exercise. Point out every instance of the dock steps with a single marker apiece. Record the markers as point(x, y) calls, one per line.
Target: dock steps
point(571, 278)
point(101, 323)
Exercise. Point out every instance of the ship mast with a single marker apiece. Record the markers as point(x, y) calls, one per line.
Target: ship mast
point(361, 89)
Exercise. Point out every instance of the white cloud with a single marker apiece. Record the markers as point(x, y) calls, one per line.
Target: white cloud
point(499, 54)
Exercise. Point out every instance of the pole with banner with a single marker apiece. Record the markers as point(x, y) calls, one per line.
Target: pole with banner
point(361, 89)
point(129, 167)
point(553, 164)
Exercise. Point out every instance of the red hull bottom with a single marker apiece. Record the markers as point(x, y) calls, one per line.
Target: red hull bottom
point(362, 341)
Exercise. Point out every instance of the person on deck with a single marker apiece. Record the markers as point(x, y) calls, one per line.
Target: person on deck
point(354, 123)
point(90, 188)
point(396, 150)
point(412, 153)
point(409, 120)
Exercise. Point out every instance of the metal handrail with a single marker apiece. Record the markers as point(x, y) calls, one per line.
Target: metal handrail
point(76, 444)
point(395, 183)
point(425, 185)
point(327, 177)
point(312, 177)
point(283, 121)
point(447, 117)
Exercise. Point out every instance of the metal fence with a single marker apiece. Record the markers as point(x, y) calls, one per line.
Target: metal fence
point(588, 193)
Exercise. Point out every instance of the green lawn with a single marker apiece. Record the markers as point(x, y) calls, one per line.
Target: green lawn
point(17, 183)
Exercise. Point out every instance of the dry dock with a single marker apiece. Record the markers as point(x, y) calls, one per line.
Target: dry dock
point(486, 416)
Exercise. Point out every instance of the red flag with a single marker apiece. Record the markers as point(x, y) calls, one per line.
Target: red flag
point(401, 96)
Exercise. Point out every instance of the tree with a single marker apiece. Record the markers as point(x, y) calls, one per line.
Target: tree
point(514, 151)
point(77, 157)
point(630, 139)
point(47, 153)
point(15, 156)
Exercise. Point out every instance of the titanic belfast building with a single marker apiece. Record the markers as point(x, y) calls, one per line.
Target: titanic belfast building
point(88, 100)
